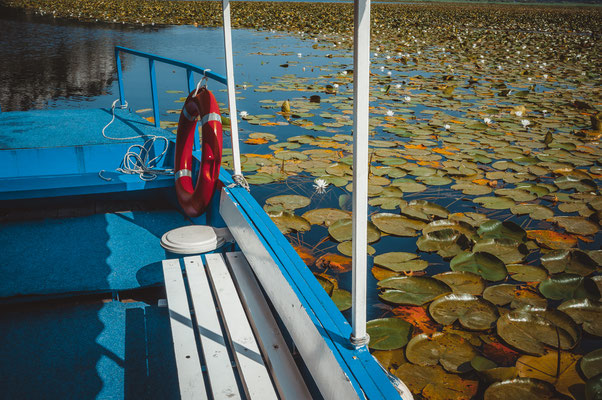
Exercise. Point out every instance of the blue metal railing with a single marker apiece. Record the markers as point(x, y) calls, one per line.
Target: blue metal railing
point(190, 68)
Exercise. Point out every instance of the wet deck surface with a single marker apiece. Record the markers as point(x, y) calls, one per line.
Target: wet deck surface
point(60, 128)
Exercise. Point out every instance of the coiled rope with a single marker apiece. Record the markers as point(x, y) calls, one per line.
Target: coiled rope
point(136, 159)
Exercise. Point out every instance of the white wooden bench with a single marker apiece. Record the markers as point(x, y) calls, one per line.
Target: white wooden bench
point(262, 360)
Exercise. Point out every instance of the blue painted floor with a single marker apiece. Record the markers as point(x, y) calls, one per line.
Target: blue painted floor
point(96, 253)
point(98, 350)
point(60, 128)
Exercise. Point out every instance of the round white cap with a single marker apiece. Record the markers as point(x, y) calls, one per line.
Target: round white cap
point(191, 239)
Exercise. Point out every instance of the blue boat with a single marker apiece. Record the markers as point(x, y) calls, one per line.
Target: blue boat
point(110, 290)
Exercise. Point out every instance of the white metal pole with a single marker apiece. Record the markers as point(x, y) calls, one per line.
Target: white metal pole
point(231, 87)
point(361, 95)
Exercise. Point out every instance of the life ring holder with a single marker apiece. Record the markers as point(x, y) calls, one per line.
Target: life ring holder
point(199, 105)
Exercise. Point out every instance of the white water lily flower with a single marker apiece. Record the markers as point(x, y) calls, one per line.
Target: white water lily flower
point(343, 72)
point(390, 113)
point(447, 127)
point(398, 86)
point(389, 73)
point(545, 76)
point(525, 122)
point(243, 114)
point(487, 120)
point(299, 55)
point(382, 68)
point(518, 113)
point(407, 99)
point(335, 85)
point(320, 185)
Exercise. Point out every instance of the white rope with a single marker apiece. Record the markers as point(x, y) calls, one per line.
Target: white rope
point(239, 180)
point(138, 162)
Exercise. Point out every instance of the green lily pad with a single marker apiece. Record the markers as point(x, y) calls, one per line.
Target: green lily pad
point(516, 194)
point(424, 210)
point(531, 329)
point(471, 311)
point(451, 351)
point(342, 230)
point(446, 242)
point(400, 261)
point(342, 299)
point(484, 264)
point(591, 363)
point(578, 225)
point(462, 282)
point(288, 222)
point(414, 290)
point(432, 382)
point(495, 203)
point(585, 312)
point(526, 272)
point(458, 226)
point(507, 250)
point(346, 248)
point(289, 202)
point(472, 188)
point(408, 185)
point(571, 261)
point(569, 286)
point(503, 294)
point(388, 333)
point(325, 216)
point(535, 211)
point(396, 224)
point(501, 229)
point(568, 182)
point(521, 388)
point(259, 179)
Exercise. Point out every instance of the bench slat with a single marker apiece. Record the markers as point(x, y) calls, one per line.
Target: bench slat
point(190, 375)
point(250, 363)
point(219, 367)
point(286, 375)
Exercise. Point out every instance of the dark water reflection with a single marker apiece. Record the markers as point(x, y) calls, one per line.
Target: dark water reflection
point(44, 59)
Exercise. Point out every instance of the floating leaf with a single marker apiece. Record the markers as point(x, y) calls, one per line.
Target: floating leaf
point(484, 264)
point(569, 286)
point(325, 216)
point(342, 231)
point(342, 299)
point(521, 388)
point(424, 210)
point(395, 224)
point(470, 311)
point(578, 225)
point(515, 296)
point(433, 383)
point(526, 272)
point(586, 312)
point(334, 263)
point(346, 248)
point(388, 333)
point(288, 222)
point(414, 290)
point(497, 230)
point(571, 261)
point(462, 282)
point(289, 202)
point(418, 317)
point(557, 368)
point(552, 240)
point(446, 242)
point(451, 351)
point(495, 203)
point(530, 329)
point(400, 261)
point(507, 250)
point(591, 363)
point(535, 211)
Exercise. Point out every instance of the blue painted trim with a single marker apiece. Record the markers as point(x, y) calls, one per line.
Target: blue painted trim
point(171, 61)
point(153, 85)
point(373, 381)
point(119, 77)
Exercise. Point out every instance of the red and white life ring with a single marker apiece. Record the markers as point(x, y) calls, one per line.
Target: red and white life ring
point(203, 107)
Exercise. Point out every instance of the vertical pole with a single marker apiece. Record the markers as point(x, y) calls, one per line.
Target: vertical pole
point(119, 77)
point(153, 82)
point(190, 84)
point(231, 87)
point(361, 95)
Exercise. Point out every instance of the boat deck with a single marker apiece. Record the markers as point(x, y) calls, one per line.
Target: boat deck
point(63, 152)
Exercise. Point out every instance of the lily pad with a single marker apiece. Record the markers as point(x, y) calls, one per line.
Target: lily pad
point(531, 329)
point(521, 388)
point(507, 250)
point(495, 203)
point(514, 295)
point(535, 211)
point(342, 231)
point(433, 383)
point(462, 282)
point(325, 216)
point(585, 312)
point(526, 272)
point(334, 263)
point(571, 261)
point(396, 224)
point(472, 312)
point(288, 222)
point(414, 290)
point(424, 210)
point(484, 264)
point(446, 242)
point(552, 239)
point(289, 202)
point(451, 351)
point(346, 248)
point(388, 333)
point(591, 363)
point(501, 229)
point(578, 225)
point(342, 299)
point(400, 261)
point(569, 286)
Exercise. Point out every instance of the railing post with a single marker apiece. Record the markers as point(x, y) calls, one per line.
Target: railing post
point(119, 77)
point(153, 82)
point(189, 80)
